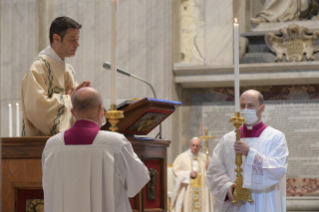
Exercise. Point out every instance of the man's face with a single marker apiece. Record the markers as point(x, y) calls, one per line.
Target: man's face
point(195, 146)
point(70, 43)
point(249, 100)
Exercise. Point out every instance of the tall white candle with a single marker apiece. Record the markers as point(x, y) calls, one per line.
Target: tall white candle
point(236, 66)
point(18, 119)
point(10, 120)
point(113, 55)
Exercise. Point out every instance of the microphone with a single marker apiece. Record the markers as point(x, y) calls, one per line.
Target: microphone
point(107, 65)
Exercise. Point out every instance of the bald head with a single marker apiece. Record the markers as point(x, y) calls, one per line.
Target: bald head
point(254, 94)
point(195, 145)
point(86, 99)
point(87, 104)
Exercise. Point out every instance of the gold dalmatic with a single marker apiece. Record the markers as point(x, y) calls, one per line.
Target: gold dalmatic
point(196, 188)
point(68, 83)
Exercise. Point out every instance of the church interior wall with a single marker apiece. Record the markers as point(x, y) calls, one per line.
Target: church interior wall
point(144, 47)
point(292, 109)
point(152, 37)
point(292, 103)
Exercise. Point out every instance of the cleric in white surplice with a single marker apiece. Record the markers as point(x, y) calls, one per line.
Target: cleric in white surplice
point(265, 162)
point(85, 169)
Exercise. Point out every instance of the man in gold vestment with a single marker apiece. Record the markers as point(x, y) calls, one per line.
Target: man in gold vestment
point(191, 193)
point(50, 83)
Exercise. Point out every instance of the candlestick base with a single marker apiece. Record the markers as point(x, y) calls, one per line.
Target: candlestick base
point(113, 116)
point(240, 193)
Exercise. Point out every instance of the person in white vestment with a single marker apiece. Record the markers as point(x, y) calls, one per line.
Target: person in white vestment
point(50, 83)
point(265, 161)
point(85, 169)
point(191, 193)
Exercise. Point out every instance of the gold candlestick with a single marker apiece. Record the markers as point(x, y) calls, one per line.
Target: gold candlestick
point(240, 193)
point(113, 116)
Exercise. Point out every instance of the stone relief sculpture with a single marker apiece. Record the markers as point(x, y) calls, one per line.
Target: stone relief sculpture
point(287, 10)
point(295, 42)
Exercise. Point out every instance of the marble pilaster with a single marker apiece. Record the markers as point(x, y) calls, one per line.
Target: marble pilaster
point(45, 14)
point(192, 14)
point(219, 32)
point(18, 35)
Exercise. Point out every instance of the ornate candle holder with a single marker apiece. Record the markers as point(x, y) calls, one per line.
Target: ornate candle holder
point(240, 193)
point(113, 116)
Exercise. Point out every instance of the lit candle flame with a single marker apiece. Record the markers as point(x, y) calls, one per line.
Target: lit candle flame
point(9, 105)
point(236, 21)
point(17, 104)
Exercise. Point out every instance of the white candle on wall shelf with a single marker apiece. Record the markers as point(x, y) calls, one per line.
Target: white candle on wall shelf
point(10, 120)
point(113, 52)
point(18, 118)
point(236, 66)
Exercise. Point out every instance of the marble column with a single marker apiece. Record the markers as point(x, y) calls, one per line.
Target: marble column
point(219, 32)
point(45, 14)
point(192, 23)
point(242, 12)
point(18, 41)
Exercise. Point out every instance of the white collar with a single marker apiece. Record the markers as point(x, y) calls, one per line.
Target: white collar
point(191, 154)
point(251, 126)
point(50, 53)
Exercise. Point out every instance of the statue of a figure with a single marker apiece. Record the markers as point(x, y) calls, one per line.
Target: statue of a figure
point(287, 10)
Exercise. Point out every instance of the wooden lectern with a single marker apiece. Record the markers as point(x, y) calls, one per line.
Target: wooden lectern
point(22, 168)
point(141, 117)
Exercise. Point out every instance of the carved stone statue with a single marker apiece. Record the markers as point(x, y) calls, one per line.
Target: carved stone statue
point(287, 10)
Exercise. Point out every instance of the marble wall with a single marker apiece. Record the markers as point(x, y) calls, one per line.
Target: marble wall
point(192, 17)
point(194, 100)
point(144, 46)
point(206, 31)
point(292, 109)
point(219, 32)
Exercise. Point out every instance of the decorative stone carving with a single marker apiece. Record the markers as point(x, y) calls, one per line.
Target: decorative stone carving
point(295, 42)
point(287, 10)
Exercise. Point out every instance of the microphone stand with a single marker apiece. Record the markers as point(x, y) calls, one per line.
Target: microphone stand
point(107, 65)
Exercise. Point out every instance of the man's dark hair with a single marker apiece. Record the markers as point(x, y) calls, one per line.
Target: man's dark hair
point(90, 102)
point(60, 26)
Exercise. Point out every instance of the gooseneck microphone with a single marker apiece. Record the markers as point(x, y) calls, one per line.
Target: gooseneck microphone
point(107, 65)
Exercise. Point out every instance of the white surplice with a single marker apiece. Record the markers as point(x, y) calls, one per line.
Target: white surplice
point(96, 178)
point(264, 172)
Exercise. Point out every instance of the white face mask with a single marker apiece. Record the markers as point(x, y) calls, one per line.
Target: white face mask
point(250, 115)
point(103, 121)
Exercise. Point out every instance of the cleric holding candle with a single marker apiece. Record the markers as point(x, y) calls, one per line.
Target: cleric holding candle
point(50, 83)
point(265, 162)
